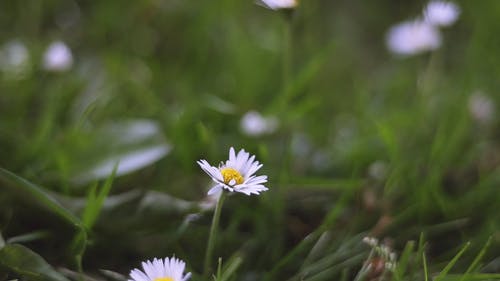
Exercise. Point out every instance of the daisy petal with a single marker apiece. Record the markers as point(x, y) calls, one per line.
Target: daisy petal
point(254, 168)
point(247, 165)
point(187, 276)
point(215, 189)
point(138, 275)
point(258, 179)
point(232, 155)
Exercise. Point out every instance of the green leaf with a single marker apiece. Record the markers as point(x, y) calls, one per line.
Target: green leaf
point(134, 144)
point(478, 258)
point(447, 268)
point(229, 269)
point(28, 264)
point(95, 200)
point(40, 195)
point(404, 261)
point(424, 263)
point(79, 244)
point(28, 237)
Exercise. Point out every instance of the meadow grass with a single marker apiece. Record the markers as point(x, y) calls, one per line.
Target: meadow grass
point(368, 143)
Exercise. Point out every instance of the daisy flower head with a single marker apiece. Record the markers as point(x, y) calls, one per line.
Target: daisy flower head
point(236, 174)
point(14, 59)
point(279, 4)
point(168, 269)
point(413, 37)
point(481, 108)
point(441, 13)
point(58, 57)
point(254, 124)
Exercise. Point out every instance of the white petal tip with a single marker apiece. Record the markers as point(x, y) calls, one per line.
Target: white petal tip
point(214, 190)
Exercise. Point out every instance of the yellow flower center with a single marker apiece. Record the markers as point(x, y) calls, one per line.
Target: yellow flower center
point(163, 279)
point(231, 176)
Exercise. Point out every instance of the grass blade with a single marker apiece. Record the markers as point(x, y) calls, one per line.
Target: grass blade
point(40, 195)
point(231, 267)
point(424, 262)
point(452, 262)
point(403, 261)
point(95, 200)
point(476, 260)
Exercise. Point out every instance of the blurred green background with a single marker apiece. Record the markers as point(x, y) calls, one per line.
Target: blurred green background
point(367, 143)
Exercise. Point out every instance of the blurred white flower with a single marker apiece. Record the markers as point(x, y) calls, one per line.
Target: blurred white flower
point(413, 37)
point(279, 4)
point(321, 160)
point(301, 145)
point(254, 124)
point(371, 241)
point(481, 107)
point(236, 175)
point(378, 170)
point(168, 269)
point(441, 13)
point(14, 58)
point(57, 57)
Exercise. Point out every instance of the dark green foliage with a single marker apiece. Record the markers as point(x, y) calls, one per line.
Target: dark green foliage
point(367, 143)
point(27, 264)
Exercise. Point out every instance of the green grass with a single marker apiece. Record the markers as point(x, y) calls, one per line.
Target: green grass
point(185, 73)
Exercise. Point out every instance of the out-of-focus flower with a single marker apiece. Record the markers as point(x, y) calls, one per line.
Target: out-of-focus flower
point(382, 258)
point(254, 124)
point(378, 170)
point(441, 13)
point(236, 175)
point(168, 269)
point(481, 108)
point(57, 57)
point(14, 58)
point(372, 241)
point(321, 160)
point(413, 37)
point(301, 145)
point(279, 4)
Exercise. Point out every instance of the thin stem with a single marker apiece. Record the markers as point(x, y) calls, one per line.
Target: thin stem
point(287, 52)
point(283, 99)
point(79, 267)
point(286, 61)
point(213, 233)
point(429, 74)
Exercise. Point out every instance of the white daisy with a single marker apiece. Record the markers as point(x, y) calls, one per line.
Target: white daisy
point(481, 108)
point(14, 59)
point(279, 4)
point(413, 37)
point(441, 13)
point(237, 174)
point(58, 57)
point(254, 124)
point(168, 269)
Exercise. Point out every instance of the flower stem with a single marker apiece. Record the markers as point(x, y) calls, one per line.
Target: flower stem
point(213, 233)
point(287, 52)
point(286, 62)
